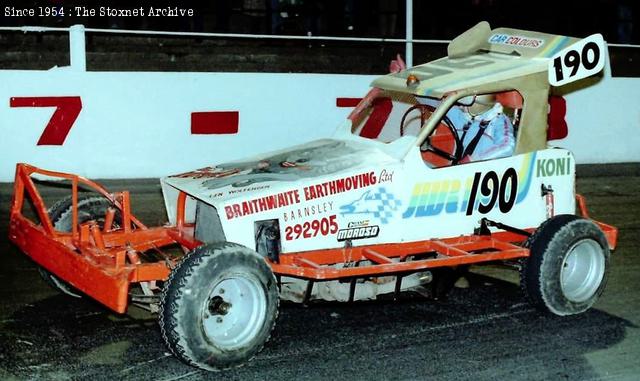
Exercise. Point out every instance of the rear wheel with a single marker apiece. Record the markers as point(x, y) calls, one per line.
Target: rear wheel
point(61, 215)
point(219, 306)
point(567, 268)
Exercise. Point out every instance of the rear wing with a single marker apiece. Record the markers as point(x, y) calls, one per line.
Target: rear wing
point(571, 59)
point(490, 60)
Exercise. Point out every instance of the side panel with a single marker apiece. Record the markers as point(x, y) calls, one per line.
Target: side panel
point(409, 201)
point(451, 201)
point(308, 213)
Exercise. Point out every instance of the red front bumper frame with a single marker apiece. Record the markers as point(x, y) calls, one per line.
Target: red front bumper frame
point(101, 263)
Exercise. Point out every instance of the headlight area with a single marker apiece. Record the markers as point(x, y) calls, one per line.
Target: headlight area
point(267, 237)
point(208, 229)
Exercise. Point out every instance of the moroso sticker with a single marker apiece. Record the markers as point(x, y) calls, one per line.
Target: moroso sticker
point(525, 42)
point(377, 203)
point(481, 193)
point(358, 230)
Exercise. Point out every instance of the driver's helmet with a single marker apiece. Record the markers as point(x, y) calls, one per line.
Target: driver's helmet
point(477, 104)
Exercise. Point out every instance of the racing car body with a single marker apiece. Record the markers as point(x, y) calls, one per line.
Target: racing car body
point(371, 210)
point(351, 189)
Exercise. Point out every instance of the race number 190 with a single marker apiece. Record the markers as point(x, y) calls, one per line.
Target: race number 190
point(580, 60)
point(493, 189)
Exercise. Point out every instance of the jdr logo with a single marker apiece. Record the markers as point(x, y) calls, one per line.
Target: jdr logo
point(379, 203)
point(479, 193)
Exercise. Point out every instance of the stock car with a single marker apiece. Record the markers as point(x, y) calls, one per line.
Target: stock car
point(372, 210)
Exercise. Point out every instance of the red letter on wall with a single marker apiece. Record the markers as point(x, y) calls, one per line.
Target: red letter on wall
point(67, 111)
point(214, 122)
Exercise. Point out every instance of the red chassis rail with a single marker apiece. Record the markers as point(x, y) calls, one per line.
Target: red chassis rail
point(103, 262)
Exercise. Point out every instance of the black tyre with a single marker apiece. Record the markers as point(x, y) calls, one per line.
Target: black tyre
point(219, 306)
point(567, 268)
point(61, 215)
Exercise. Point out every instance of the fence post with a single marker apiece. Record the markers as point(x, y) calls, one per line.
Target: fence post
point(409, 34)
point(77, 48)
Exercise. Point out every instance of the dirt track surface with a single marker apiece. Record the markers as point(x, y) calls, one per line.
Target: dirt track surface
point(486, 331)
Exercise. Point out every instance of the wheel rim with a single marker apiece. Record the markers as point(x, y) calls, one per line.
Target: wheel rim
point(582, 270)
point(234, 312)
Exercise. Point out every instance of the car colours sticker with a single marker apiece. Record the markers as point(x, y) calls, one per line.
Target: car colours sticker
point(521, 41)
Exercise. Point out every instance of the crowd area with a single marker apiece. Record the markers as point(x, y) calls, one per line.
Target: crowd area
point(363, 18)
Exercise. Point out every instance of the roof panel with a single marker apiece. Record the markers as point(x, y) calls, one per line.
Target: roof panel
point(450, 74)
point(492, 55)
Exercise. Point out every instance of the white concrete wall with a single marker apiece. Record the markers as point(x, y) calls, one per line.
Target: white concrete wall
point(136, 124)
point(604, 122)
point(139, 124)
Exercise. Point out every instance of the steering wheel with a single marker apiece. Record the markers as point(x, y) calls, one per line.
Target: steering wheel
point(455, 156)
point(424, 109)
point(427, 146)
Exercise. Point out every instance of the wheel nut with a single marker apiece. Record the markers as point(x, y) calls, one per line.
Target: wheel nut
point(222, 291)
point(219, 320)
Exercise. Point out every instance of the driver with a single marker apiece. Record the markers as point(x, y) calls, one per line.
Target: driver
point(484, 130)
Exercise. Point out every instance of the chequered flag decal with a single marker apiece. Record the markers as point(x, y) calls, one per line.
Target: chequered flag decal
point(380, 203)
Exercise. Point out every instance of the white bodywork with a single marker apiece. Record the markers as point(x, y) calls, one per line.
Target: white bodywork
point(357, 182)
point(356, 191)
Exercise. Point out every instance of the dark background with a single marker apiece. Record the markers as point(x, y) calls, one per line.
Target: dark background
point(439, 20)
point(615, 19)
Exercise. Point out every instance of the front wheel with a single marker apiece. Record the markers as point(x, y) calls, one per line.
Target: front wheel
point(567, 268)
point(219, 306)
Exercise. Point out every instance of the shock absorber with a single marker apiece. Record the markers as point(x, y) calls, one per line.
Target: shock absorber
point(547, 193)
